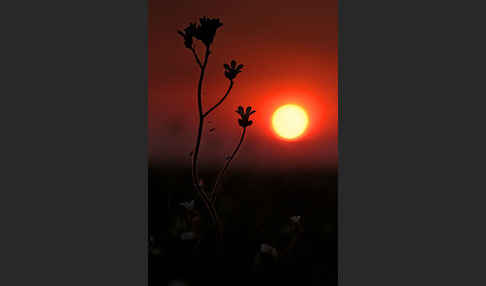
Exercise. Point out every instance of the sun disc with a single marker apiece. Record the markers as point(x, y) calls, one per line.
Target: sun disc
point(290, 121)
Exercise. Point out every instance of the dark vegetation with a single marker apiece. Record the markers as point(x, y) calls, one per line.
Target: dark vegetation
point(255, 208)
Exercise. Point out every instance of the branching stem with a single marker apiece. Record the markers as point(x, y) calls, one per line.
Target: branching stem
point(228, 162)
point(195, 174)
point(221, 100)
point(196, 57)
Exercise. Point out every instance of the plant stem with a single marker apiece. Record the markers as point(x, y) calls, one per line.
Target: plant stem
point(196, 57)
point(228, 162)
point(291, 245)
point(221, 100)
point(195, 175)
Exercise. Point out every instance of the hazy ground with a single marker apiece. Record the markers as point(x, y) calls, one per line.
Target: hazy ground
point(255, 207)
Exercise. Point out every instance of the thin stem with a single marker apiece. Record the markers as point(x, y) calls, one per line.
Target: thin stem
point(228, 162)
point(195, 175)
point(196, 57)
point(291, 245)
point(221, 100)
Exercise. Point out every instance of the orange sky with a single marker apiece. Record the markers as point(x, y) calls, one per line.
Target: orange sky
point(289, 49)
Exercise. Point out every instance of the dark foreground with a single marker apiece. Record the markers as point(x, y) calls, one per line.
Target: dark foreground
point(255, 209)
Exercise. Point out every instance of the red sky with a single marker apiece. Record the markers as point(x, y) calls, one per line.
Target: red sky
point(289, 49)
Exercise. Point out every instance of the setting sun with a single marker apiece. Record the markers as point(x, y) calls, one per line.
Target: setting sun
point(290, 121)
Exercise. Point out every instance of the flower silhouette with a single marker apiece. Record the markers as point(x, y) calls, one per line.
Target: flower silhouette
point(188, 34)
point(245, 116)
point(206, 31)
point(231, 71)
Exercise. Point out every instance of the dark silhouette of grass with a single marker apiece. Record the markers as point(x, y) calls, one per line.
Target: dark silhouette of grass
point(255, 207)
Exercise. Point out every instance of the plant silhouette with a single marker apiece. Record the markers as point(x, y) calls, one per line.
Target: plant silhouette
point(205, 32)
point(194, 243)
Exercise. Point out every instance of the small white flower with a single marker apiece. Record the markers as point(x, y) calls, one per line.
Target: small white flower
point(295, 219)
point(265, 248)
point(188, 235)
point(188, 205)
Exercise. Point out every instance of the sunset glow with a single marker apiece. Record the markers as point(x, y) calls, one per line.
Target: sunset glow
point(294, 62)
point(290, 121)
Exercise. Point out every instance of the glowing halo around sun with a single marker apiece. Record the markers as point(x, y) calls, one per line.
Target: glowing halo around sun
point(290, 121)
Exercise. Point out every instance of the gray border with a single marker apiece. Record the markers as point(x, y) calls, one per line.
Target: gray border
point(411, 179)
point(74, 142)
point(74, 105)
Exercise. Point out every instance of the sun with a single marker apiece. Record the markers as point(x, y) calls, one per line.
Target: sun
point(290, 121)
